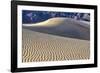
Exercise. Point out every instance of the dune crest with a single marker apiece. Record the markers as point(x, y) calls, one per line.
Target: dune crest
point(50, 22)
point(54, 22)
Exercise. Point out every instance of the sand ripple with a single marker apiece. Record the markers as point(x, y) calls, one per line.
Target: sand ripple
point(38, 47)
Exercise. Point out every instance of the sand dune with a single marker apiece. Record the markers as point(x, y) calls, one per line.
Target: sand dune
point(38, 47)
point(48, 23)
point(65, 27)
point(57, 21)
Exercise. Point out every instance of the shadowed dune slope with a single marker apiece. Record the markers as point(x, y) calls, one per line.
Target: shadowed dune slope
point(65, 27)
point(37, 47)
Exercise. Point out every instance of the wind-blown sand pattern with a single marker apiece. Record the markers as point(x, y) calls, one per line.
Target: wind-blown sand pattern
point(37, 47)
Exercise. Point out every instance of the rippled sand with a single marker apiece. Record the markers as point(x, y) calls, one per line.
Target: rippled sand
point(37, 47)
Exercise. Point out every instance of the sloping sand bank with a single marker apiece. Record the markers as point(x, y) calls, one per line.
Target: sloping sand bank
point(38, 47)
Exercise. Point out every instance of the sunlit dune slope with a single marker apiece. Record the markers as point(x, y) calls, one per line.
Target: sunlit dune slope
point(48, 23)
point(37, 47)
point(57, 21)
point(65, 27)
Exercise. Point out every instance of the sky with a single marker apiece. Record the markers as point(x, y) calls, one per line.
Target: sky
point(30, 16)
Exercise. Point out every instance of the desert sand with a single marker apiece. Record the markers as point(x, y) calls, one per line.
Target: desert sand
point(37, 47)
point(56, 39)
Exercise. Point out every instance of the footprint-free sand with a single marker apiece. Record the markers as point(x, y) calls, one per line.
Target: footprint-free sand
point(37, 47)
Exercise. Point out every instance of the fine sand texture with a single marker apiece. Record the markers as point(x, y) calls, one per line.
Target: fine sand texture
point(38, 47)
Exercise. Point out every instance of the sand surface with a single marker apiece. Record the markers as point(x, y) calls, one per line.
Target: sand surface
point(37, 47)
